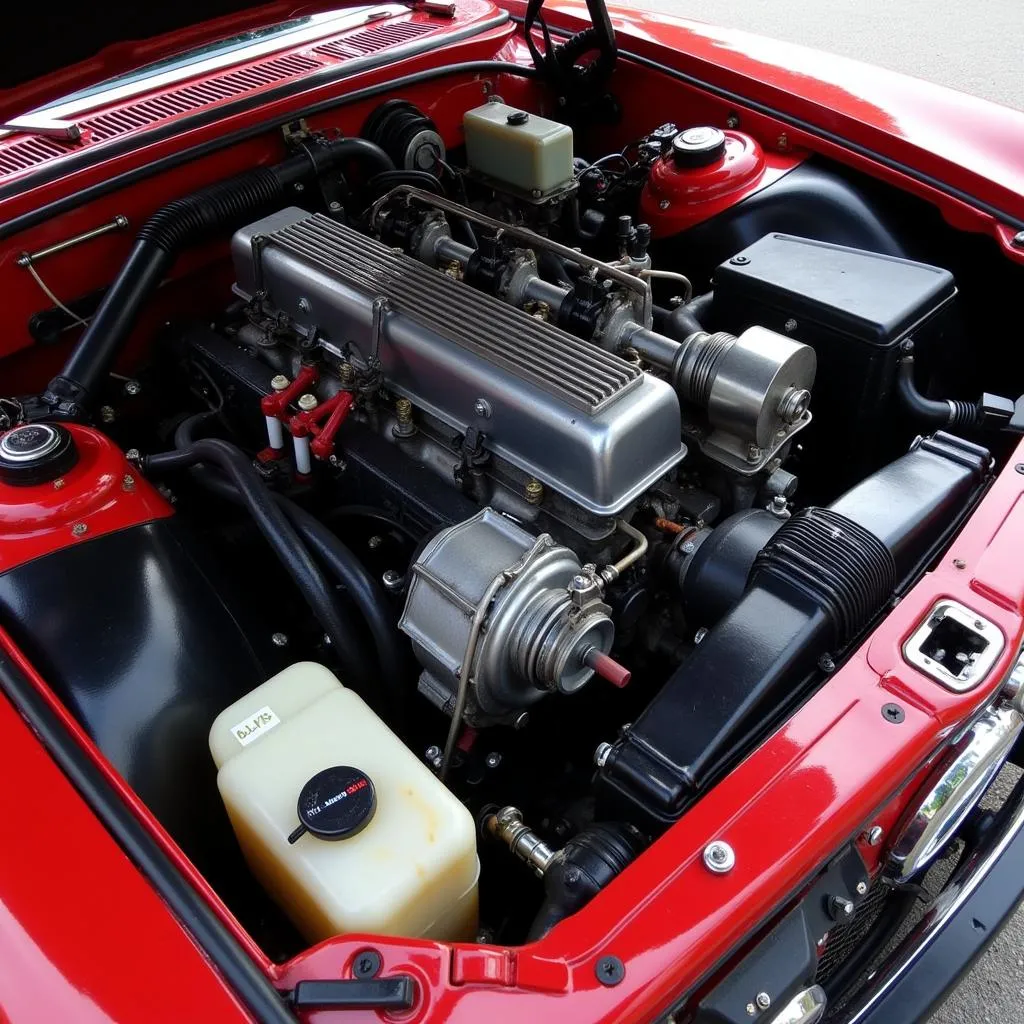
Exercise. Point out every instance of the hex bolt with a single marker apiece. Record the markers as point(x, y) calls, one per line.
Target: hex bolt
point(304, 305)
point(763, 1000)
point(534, 491)
point(127, 482)
point(602, 753)
point(688, 548)
point(79, 529)
point(959, 563)
point(432, 752)
point(862, 887)
point(753, 453)
point(375, 542)
point(826, 664)
point(279, 382)
point(392, 580)
point(664, 204)
point(307, 402)
point(893, 713)
point(841, 908)
point(482, 408)
point(133, 455)
point(790, 325)
point(279, 639)
point(367, 964)
point(610, 970)
point(719, 857)
point(132, 388)
point(493, 759)
point(732, 121)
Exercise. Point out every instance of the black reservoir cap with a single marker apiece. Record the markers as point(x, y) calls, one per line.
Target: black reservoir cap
point(36, 453)
point(337, 803)
point(698, 147)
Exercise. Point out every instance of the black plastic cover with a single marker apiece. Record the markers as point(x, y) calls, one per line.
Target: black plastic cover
point(867, 296)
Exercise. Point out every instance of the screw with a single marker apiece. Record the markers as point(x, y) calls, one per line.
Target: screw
point(752, 1009)
point(602, 754)
point(664, 204)
point(307, 402)
point(481, 408)
point(698, 637)
point(392, 580)
point(133, 455)
point(688, 548)
point(862, 887)
point(132, 388)
point(875, 834)
point(299, 187)
point(959, 563)
point(334, 206)
point(346, 373)
point(826, 664)
point(978, 624)
point(732, 121)
point(128, 482)
point(366, 964)
point(534, 491)
point(753, 453)
point(304, 305)
point(493, 759)
point(893, 713)
point(432, 753)
point(783, 141)
point(790, 325)
point(403, 410)
point(279, 382)
point(79, 529)
point(763, 1000)
point(107, 414)
point(610, 970)
point(1019, 467)
point(740, 261)
point(279, 639)
point(580, 582)
point(1018, 239)
point(58, 483)
point(374, 542)
point(719, 857)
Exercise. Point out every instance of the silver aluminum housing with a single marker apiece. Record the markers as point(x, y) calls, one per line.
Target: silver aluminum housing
point(583, 421)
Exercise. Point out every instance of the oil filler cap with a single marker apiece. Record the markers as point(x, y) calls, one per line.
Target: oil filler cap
point(698, 147)
point(337, 803)
point(36, 453)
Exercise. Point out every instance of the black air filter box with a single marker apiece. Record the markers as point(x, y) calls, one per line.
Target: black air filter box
point(854, 308)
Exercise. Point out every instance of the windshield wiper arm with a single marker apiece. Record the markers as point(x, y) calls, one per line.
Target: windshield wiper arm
point(40, 124)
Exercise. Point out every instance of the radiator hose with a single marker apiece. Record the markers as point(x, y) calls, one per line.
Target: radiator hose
point(222, 206)
point(929, 411)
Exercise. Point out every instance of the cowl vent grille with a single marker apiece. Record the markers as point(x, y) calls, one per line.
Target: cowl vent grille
point(20, 154)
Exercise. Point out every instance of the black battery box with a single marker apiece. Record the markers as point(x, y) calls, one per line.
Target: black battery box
point(854, 308)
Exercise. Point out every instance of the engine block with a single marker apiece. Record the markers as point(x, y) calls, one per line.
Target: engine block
point(585, 422)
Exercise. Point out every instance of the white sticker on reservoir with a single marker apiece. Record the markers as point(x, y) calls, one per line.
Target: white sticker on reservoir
point(255, 726)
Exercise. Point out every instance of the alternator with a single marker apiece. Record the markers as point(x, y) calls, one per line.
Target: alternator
point(520, 609)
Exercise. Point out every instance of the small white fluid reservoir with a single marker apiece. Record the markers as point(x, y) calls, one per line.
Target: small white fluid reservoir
point(337, 818)
point(520, 149)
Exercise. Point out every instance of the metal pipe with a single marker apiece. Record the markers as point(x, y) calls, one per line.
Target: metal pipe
point(612, 572)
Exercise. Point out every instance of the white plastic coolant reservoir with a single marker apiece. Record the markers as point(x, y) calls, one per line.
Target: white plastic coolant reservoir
point(378, 843)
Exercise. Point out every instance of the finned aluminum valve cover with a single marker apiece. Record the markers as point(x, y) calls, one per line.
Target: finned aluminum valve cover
point(586, 423)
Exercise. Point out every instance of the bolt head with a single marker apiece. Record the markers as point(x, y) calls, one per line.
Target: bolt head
point(132, 387)
point(959, 563)
point(699, 636)
point(1018, 240)
point(763, 1000)
point(875, 834)
point(79, 529)
point(790, 326)
point(334, 206)
point(688, 548)
point(432, 752)
point(107, 414)
point(862, 888)
point(740, 261)
point(279, 639)
point(751, 1009)
point(367, 964)
point(482, 408)
point(279, 382)
point(392, 580)
point(128, 482)
point(719, 857)
point(602, 753)
point(841, 908)
point(374, 542)
point(664, 204)
point(304, 305)
point(493, 759)
point(610, 970)
point(753, 453)
point(307, 402)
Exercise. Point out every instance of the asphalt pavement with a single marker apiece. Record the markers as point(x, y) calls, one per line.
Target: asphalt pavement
point(977, 47)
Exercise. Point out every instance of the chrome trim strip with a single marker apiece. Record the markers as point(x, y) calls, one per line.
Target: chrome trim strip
point(958, 891)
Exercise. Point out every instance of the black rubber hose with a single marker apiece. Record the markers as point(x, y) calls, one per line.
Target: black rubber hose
point(678, 323)
point(365, 592)
point(223, 206)
point(282, 536)
point(946, 413)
